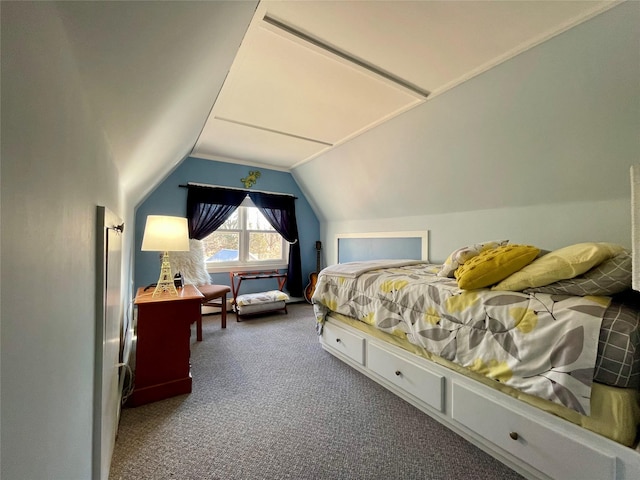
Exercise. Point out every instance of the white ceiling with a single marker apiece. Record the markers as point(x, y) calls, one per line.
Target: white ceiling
point(293, 91)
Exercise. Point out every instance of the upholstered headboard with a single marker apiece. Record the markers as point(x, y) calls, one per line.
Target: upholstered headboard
point(378, 245)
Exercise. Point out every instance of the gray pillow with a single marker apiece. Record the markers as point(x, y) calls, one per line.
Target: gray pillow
point(608, 278)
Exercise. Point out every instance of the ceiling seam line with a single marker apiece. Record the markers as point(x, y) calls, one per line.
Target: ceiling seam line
point(244, 124)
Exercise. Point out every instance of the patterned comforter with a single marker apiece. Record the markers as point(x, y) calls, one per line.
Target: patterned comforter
point(541, 344)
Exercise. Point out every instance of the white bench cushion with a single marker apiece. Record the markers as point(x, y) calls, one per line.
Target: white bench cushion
point(261, 298)
point(261, 307)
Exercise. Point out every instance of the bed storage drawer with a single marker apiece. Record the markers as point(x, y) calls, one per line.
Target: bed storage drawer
point(407, 375)
point(554, 453)
point(344, 342)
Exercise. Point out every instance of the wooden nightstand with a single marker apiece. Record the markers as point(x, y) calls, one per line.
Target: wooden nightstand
point(162, 344)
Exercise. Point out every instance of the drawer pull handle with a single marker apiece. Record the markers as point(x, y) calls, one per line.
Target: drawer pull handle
point(514, 435)
point(338, 340)
point(398, 373)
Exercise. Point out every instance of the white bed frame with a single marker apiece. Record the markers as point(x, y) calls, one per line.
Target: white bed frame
point(534, 443)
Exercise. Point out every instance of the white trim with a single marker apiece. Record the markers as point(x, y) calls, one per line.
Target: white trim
point(635, 226)
point(213, 267)
point(422, 234)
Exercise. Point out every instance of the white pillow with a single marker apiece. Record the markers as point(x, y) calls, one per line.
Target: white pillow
point(461, 255)
point(191, 264)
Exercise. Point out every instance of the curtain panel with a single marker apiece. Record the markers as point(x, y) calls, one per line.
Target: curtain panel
point(209, 207)
point(280, 211)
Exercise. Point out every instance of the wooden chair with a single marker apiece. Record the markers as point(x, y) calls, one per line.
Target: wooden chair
point(214, 296)
point(192, 267)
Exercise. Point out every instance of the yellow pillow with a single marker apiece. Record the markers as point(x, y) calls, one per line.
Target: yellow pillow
point(561, 264)
point(493, 265)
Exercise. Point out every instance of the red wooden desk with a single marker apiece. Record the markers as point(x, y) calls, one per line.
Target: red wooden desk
point(162, 344)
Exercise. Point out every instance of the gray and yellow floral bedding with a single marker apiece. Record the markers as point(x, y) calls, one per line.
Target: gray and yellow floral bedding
point(544, 345)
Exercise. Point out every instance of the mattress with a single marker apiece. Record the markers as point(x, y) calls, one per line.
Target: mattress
point(551, 346)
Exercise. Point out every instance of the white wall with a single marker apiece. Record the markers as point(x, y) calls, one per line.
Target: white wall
point(537, 150)
point(56, 168)
point(151, 72)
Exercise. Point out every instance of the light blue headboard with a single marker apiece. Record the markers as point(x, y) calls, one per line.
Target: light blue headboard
point(380, 245)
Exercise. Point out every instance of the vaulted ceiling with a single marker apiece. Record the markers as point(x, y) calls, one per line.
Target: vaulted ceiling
point(278, 83)
point(312, 75)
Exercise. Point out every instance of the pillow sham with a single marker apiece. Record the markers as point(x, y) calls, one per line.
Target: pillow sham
point(461, 255)
point(610, 277)
point(564, 263)
point(491, 266)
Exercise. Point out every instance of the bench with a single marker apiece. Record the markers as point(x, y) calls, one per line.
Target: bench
point(262, 302)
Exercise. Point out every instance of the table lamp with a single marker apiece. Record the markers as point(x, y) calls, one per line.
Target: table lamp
point(165, 234)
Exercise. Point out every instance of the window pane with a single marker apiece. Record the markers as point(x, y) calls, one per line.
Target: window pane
point(222, 246)
point(233, 222)
point(246, 237)
point(265, 246)
point(256, 221)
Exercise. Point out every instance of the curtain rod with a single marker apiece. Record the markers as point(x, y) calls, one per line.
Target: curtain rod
point(194, 184)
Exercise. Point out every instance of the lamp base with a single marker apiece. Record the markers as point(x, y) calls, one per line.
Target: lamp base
point(165, 282)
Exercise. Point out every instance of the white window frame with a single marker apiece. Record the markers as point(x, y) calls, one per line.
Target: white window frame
point(243, 253)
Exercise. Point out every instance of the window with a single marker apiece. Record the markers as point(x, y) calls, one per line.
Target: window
point(245, 239)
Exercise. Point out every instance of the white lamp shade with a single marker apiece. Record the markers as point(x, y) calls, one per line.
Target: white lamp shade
point(165, 234)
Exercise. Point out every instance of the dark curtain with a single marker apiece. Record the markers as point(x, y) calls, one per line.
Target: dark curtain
point(208, 208)
point(280, 211)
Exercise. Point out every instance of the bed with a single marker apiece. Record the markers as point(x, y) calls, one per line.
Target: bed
point(534, 356)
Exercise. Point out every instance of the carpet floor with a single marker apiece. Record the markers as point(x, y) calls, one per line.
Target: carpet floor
point(269, 403)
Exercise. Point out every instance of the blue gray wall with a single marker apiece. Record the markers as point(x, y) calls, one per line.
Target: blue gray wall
point(170, 199)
